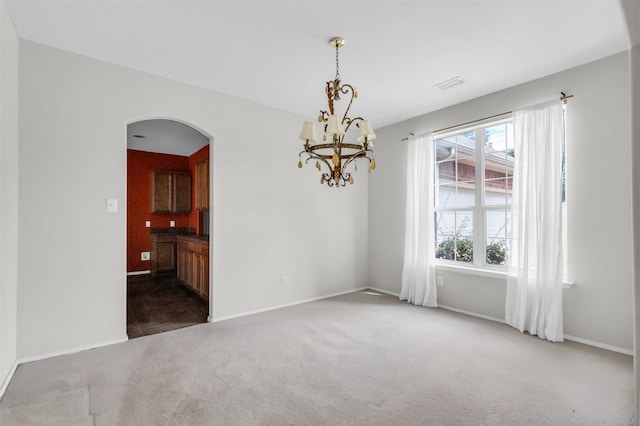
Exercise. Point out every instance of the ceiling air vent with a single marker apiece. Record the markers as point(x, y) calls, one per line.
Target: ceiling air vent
point(452, 83)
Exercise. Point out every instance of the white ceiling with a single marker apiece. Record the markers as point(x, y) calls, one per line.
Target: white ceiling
point(276, 52)
point(165, 136)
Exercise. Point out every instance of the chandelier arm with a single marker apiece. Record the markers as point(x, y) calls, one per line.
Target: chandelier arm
point(351, 121)
point(315, 156)
point(346, 123)
point(346, 88)
point(326, 177)
point(359, 154)
point(324, 118)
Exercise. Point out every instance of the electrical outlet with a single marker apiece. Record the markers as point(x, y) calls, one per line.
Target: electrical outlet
point(147, 224)
point(145, 255)
point(440, 280)
point(284, 280)
point(172, 223)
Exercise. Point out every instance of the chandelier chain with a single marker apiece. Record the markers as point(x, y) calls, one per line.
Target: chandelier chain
point(337, 63)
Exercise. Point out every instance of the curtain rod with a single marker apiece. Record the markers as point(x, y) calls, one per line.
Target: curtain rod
point(563, 98)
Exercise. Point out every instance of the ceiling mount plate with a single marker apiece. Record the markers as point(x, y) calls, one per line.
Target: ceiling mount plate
point(336, 42)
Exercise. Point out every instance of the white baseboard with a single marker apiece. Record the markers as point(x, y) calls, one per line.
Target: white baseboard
point(379, 290)
point(448, 308)
point(566, 336)
point(7, 379)
point(587, 342)
point(70, 351)
point(599, 345)
point(272, 308)
point(138, 273)
point(473, 314)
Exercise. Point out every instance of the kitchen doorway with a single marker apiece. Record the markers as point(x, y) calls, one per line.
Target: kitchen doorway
point(168, 226)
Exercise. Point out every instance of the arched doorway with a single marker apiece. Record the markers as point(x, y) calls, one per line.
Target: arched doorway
point(168, 227)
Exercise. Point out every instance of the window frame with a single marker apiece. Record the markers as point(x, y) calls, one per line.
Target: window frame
point(479, 209)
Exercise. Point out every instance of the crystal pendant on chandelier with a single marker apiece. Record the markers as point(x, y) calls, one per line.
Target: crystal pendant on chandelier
point(333, 155)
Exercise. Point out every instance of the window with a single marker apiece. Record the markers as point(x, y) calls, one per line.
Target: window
point(473, 184)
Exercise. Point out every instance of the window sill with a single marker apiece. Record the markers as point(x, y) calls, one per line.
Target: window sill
point(472, 270)
point(483, 272)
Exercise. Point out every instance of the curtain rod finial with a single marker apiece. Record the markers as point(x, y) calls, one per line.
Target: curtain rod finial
point(564, 97)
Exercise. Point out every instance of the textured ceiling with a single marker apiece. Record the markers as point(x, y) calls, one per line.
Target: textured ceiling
point(276, 52)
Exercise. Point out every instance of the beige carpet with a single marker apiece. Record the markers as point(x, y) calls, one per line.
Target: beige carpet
point(358, 359)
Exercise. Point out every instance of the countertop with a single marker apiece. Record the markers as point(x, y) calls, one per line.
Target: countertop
point(186, 233)
point(203, 238)
point(174, 231)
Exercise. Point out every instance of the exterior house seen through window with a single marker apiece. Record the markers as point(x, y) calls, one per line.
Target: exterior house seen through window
point(473, 185)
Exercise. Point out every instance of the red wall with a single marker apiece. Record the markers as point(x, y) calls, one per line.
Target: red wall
point(140, 165)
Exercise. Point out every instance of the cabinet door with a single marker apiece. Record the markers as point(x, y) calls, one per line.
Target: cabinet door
point(194, 271)
point(182, 263)
point(182, 192)
point(193, 266)
point(161, 192)
point(205, 185)
point(204, 289)
point(202, 184)
point(165, 256)
point(206, 282)
point(204, 277)
point(190, 269)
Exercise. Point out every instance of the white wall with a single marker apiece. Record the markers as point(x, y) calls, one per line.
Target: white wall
point(599, 306)
point(8, 193)
point(632, 14)
point(269, 217)
point(634, 56)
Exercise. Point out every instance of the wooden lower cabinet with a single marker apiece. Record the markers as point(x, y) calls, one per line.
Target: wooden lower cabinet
point(163, 254)
point(193, 265)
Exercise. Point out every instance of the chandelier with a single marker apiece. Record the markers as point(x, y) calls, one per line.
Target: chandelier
point(333, 156)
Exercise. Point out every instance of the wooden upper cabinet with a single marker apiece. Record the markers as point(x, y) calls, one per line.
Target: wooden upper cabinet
point(161, 192)
point(170, 192)
point(202, 184)
point(182, 192)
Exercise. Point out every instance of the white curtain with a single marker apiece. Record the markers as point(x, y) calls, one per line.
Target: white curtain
point(534, 286)
point(418, 271)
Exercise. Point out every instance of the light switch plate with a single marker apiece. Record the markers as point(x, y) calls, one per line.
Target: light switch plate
point(172, 223)
point(112, 205)
point(148, 224)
